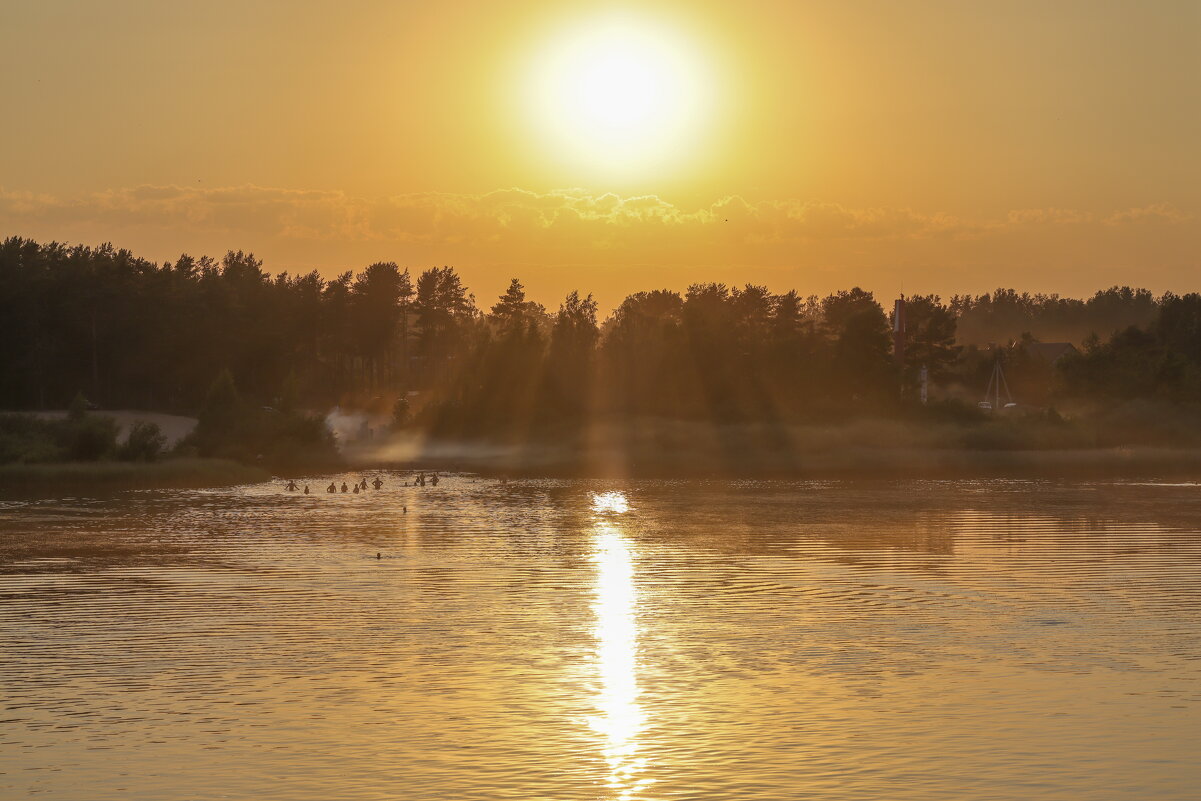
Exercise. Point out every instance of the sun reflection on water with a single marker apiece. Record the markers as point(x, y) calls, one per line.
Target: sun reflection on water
point(610, 503)
point(620, 716)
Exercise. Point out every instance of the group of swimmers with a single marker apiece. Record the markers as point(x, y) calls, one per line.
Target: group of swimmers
point(361, 486)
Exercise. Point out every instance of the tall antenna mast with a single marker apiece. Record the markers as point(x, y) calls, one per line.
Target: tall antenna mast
point(995, 382)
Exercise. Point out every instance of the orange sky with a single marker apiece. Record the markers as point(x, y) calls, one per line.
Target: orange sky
point(935, 146)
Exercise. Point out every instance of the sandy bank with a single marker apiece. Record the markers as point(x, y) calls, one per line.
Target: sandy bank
point(174, 427)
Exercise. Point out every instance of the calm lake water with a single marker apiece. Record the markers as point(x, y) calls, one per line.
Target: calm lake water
point(589, 640)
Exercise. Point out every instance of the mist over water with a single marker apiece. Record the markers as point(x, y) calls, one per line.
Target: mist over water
point(605, 639)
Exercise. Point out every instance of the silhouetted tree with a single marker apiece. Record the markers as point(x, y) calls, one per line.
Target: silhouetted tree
point(144, 443)
point(929, 337)
point(1002, 316)
point(127, 332)
point(220, 420)
point(378, 296)
point(861, 358)
point(444, 309)
point(648, 370)
point(570, 356)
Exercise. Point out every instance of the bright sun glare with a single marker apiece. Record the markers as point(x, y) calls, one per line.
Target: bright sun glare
point(619, 93)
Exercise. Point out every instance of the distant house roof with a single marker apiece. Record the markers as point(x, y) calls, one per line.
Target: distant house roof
point(1050, 352)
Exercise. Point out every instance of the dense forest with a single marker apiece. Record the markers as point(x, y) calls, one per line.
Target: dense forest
point(129, 333)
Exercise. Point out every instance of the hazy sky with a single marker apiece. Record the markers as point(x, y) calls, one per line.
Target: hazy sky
point(935, 146)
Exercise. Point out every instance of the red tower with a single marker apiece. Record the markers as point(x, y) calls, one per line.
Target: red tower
point(898, 330)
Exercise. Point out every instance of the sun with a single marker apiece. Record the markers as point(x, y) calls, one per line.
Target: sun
point(619, 94)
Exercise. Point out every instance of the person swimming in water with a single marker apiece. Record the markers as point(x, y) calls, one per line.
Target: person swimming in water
point(344, 487)
point(306, 489)
point(363, 484)
point(332, 487)
point(434, 480)
point(356, 489)
point(377, 483)
point(291, 486)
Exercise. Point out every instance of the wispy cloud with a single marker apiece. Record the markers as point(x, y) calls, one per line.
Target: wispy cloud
point(517, 213)
point(616, 244)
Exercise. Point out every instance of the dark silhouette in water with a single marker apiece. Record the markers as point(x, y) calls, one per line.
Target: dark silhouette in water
point(377, 483)
point(291, 487)
point(434, 480)
point(344, 487)
point(356, 489)
point(306, 489)
point(332, 487)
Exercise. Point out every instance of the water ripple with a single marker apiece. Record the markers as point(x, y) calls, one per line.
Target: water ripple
point(583, 640)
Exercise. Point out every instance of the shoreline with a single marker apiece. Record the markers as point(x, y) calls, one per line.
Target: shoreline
point(538, 462)
point(850, 462)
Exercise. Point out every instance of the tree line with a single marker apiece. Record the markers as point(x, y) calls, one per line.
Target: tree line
point(1004, 315)
point(131, 333)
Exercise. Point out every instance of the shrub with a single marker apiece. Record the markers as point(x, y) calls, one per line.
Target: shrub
point(400, 413)
point(229, 428)
point(78, 408)
point(25, 438)
point(87, 439)
point(145, 443)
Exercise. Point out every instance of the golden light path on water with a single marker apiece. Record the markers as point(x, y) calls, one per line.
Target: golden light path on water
point(620, 717)
point(974, 640)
